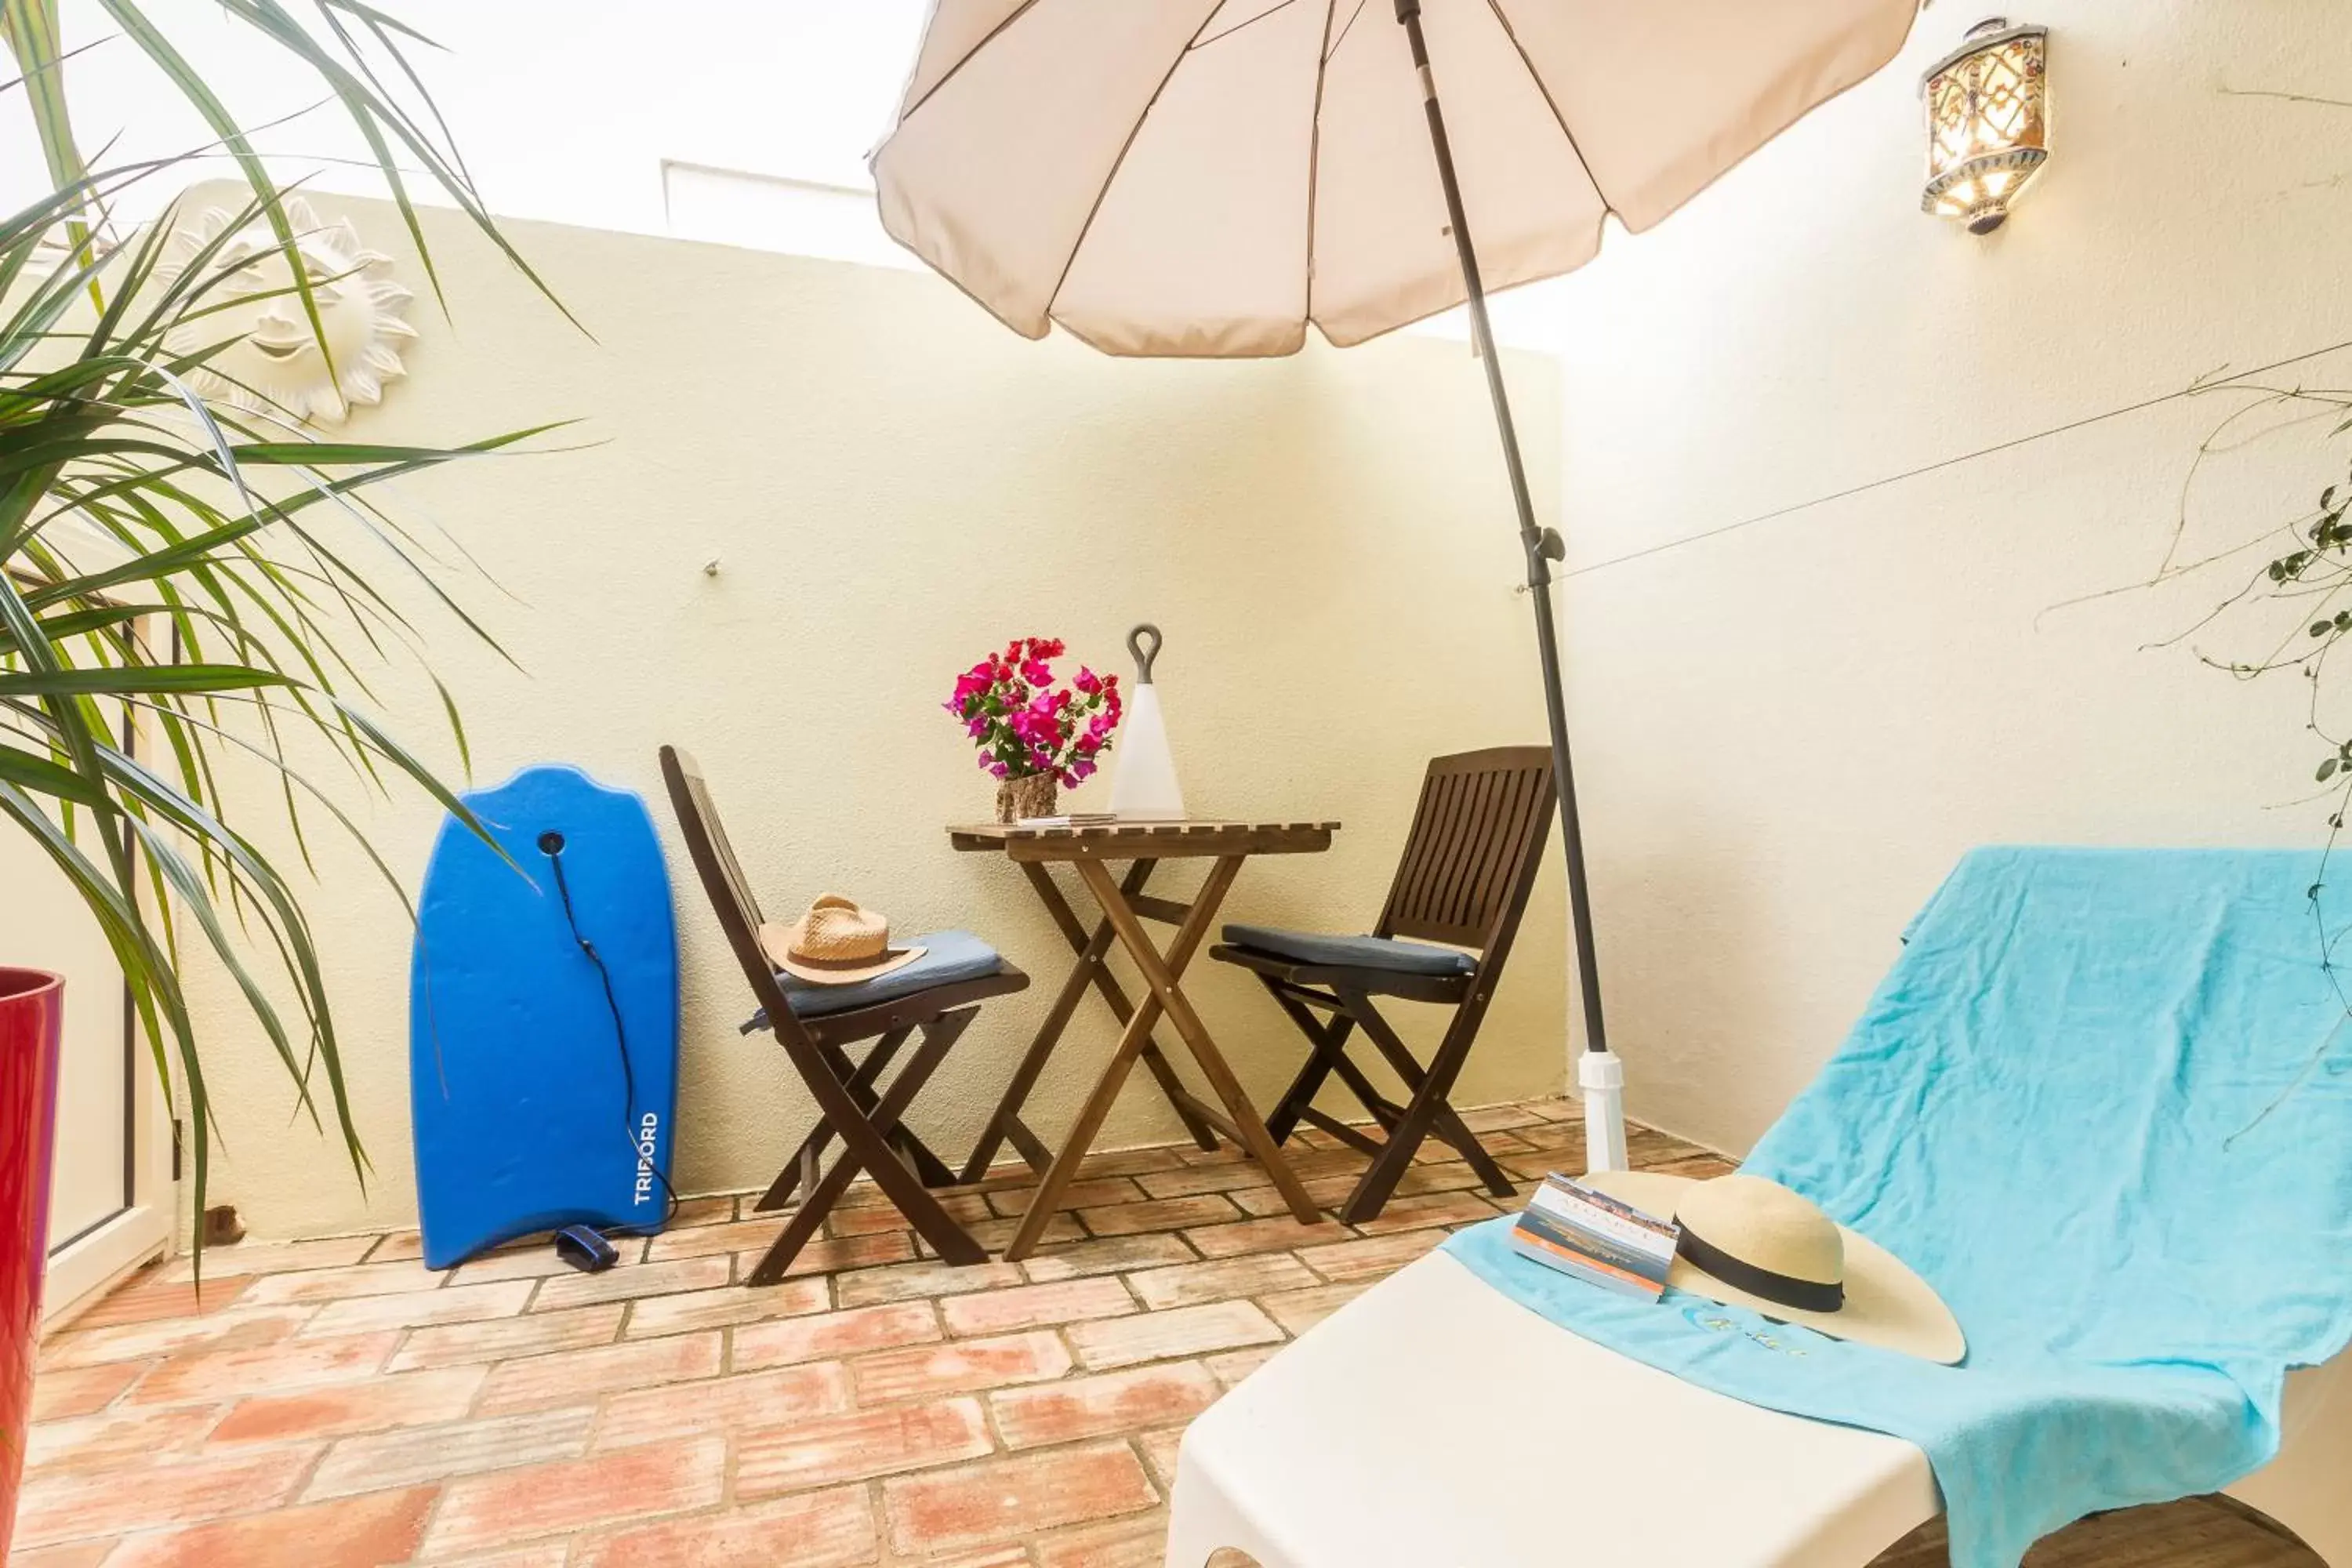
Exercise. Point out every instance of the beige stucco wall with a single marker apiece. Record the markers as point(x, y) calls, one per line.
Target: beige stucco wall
point(1790, 730)
point(891, 483)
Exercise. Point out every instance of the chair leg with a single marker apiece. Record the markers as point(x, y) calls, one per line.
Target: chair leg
point(1326, 1042)
point(866, 1140)
point(1329, 1057)
point(928, 1167)
point(1455, 1131)
point(1445, 1124)
point(915, 1154)
point(1367, 1094)
point(860, 1083)
point(1340, 1129)
point(1428, 1106)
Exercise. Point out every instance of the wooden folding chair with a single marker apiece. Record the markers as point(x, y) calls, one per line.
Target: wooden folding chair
point(851, 1104)
point(1468, 866)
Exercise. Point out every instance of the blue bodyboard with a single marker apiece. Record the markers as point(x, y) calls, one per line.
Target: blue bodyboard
point(527, 1116)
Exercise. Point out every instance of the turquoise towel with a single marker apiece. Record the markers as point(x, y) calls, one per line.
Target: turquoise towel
point(2104, 1104)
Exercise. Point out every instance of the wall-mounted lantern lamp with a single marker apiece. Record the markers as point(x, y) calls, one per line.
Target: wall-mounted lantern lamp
point(1988, 122)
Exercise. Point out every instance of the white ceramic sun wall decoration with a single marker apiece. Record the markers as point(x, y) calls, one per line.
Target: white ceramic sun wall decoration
point(275, 365)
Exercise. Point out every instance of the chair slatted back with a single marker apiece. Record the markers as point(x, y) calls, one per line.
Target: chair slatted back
point(723, 881)
point(1471, 858)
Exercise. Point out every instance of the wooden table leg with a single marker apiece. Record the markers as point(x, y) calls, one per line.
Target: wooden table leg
point(1004, 1122)
point(1163, 974)
point(1048, 1196)
point(1114, 995)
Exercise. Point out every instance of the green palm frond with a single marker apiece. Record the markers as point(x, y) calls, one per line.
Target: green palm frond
point(220, 575)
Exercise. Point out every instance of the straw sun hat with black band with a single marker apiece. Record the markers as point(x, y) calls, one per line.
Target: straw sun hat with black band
point(1752, 1243)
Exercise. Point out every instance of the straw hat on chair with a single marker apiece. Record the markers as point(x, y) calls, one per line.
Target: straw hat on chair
point(836, 942)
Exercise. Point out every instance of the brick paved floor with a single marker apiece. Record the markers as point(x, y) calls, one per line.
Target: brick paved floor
point(331, 1403)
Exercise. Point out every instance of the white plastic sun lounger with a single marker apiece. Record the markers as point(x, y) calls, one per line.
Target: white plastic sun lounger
point(1433, 1423)
point(1438, 1422)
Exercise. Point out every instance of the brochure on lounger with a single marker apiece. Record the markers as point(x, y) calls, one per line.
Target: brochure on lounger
point(1594, 1237)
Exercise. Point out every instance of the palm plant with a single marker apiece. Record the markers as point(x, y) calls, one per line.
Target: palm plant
point(222, 575)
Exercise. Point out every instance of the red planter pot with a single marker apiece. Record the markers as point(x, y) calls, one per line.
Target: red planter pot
point(32, 1009)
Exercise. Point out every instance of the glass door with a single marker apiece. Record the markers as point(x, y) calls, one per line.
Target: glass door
point(110, 1199)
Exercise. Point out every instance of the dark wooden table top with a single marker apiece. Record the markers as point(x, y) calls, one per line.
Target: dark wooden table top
point(1144, 840)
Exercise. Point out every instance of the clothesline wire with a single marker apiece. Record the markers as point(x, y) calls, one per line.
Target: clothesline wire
point(2196, 388)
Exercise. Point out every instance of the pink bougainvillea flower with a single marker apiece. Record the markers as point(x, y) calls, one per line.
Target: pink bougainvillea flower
point(1022, 722)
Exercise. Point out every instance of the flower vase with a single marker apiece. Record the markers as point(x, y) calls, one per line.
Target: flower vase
point(1032, 794)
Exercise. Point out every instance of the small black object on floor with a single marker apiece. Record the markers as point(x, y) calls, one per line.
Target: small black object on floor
point(585, 1249)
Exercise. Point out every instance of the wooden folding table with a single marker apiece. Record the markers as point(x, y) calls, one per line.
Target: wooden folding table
point(1125, 907)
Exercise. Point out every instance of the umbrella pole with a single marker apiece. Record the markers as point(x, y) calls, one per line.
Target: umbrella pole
point(1599, 1073)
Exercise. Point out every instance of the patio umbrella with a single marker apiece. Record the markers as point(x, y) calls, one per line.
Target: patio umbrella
point(1205, 177)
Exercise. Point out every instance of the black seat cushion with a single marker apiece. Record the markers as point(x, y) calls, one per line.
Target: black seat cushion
point(1388, 952)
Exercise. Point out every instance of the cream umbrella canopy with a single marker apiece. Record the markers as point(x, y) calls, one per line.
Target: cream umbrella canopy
point(1205, 177)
